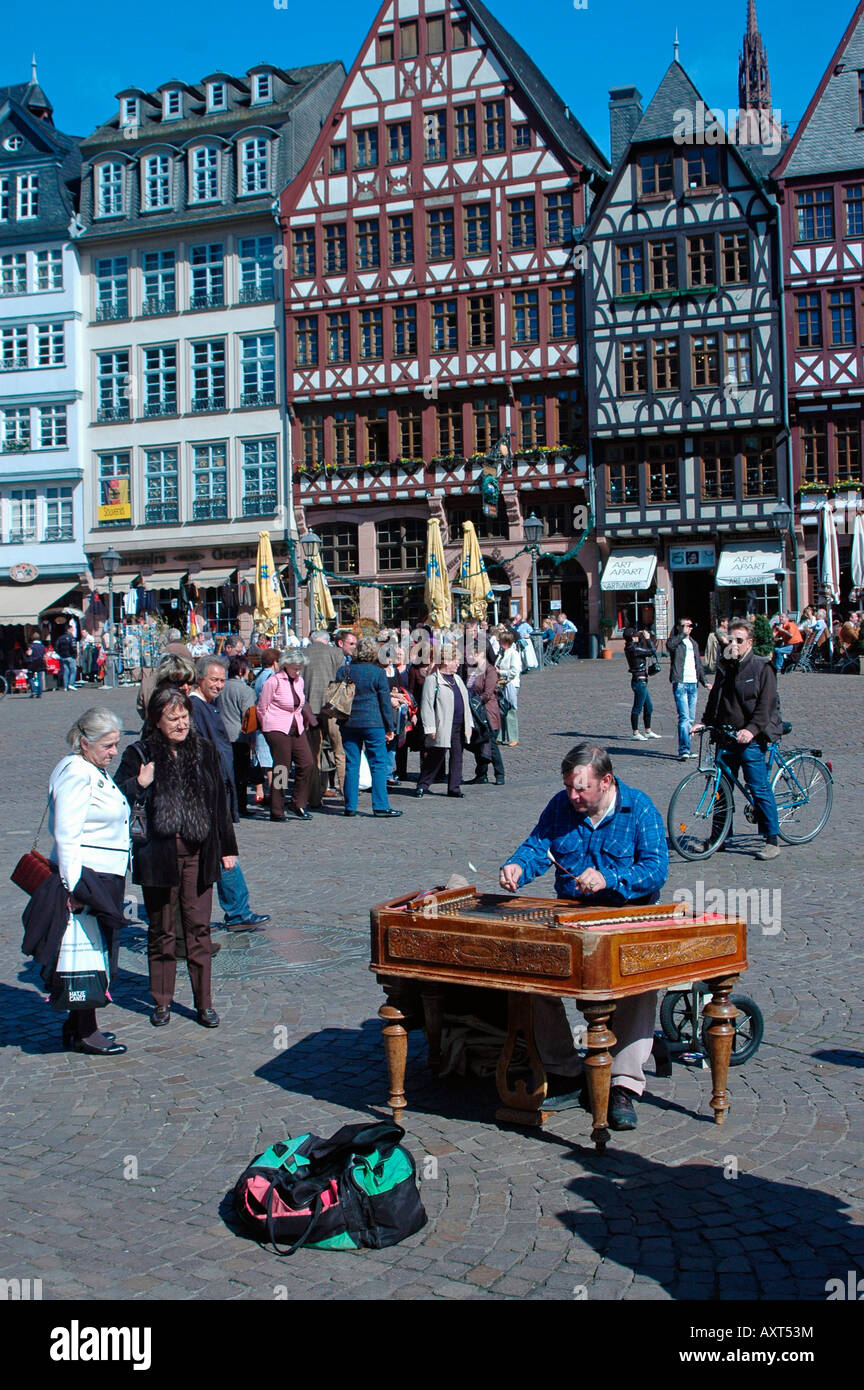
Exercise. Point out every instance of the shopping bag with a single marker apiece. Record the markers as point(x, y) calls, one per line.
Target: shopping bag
point(80, 980)
point(365, 773)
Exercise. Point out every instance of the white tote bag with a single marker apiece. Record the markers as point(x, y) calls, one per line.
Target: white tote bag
point(83, 947)
point(365, 773)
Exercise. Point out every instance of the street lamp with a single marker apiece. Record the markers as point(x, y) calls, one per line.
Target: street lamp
point(111, 562)
point(781, 517)
point(310, 543)
point(533, 530)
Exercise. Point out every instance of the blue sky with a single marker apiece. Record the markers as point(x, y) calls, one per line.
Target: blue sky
point(86, 55)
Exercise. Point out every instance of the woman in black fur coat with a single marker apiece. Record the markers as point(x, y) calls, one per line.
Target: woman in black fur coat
point(182, 838)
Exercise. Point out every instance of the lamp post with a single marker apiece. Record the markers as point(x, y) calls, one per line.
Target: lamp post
point(533, 530)
point(310, 543)
point(781, 517)
point(111, 561)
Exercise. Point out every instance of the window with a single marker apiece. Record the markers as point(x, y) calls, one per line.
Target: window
point(109, 190)
point(112, 288)
point(371, 334)
point(339, 549)
point(385, 48)
point(435, 35)
point(808, 320)
point(217, 96)
point(16, 428)
point(841, 316)
point(208, 375)
point(254, 166)
point(439, 234)
point(445, 326)
point(663, 262)
point(735, 248)
point(160, 278)
point(435, 135)
point(114, 488)
point(263, 87)
point(814, 453)
point(718, 467)
point(344, 442)
point(461, 34)
point(208, 276)
point(486, 427)
point(521, 136)
point(160, 380)
point(112, 385)
point(410, 426)
point(378, 436)
point(156, 183)
point(701, 269)
point(401, 544)
point(568, 405)
point(259, 476)
point(338, 158)
point(408, 39)
point(522, 223)
point(4, 198)
point(532, 420)
point(631, 268)
point(161, 485)
point(704, 361)
point(562, 312)
point(399, 142)
point(50, 351)
point(338, 338)
point(366, 148)
point(52, 427)
point(172, 104)
point(494, 128)
point(205, 174)
point(738, 364)
point(558, 218)
point(465, 128)
point(481, 321)
point(449, 423)
point(847, 448)
point(633, 368)
point(13, 348)
point(526, 316)
point(664, 356)
point(28, 197)
point(814, 215)
point(22, 527)
point(702, 167)
point(405, 330)
point(401, 238)
point(58, 514)
point(257, 262)
point(306, 341)
point(478, 229)
point(129, 115)
point(367, 244)
point(623, 475)
point(487, 527)
point(13, 273)
point(662, 473)
point(335, 248)
point(654, 175)
point(258, 369)
point(759, 457)
point(49, 270)
point(210, 482)
point(312, 440)
point(853, 209)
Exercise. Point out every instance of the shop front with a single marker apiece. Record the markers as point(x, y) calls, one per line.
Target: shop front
point(628, 588)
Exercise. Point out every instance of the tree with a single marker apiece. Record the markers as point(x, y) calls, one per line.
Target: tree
point(763, 637)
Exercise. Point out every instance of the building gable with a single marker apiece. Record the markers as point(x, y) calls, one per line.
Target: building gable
point(830, 136)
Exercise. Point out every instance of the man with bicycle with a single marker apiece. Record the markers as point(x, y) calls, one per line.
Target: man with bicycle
point(744, 697)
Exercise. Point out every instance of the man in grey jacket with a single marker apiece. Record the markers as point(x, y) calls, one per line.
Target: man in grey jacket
point(686, 674)
point(324, 662)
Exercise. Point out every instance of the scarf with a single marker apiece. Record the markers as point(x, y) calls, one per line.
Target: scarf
point(180, 804)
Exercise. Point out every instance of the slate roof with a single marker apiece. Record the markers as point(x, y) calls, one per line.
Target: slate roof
point(830, 137)
point(43, 146)
point(675, 93)
point(547, 104)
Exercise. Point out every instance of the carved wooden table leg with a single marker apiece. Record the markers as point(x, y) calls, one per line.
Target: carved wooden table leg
point(431, 996)
point(520, 1106)
point(721, 1034)
point(598, 1065)
point(395, 1049)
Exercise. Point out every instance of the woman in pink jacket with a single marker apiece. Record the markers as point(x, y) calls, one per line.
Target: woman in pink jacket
point(283, 717)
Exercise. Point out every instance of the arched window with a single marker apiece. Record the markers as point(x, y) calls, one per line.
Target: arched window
point(204, 165)
point(108, 193)
point(254, 165)
point(155, 181)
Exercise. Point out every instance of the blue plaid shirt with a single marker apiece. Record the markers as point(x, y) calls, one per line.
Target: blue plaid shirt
point(628, 848)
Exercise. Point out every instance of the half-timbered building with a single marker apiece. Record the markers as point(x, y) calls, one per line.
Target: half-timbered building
point(433, 311)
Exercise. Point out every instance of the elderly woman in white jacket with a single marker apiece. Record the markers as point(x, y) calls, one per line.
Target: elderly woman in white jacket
point(445, 713)
point(89, 820)
point(509, 665)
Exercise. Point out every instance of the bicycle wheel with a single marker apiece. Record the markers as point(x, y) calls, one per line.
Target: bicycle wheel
point(749, 1029)
point(804, 792)
point(676, 1016)
point(698, 818)
point(4, 687)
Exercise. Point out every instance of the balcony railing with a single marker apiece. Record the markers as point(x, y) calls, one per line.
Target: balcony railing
point(152, 305)
point(210, 509)
point(16, 446)
point(113, 412)
point(208, 402)
point(22, 537)
point(168, 407)
point(166, 513)
point(58, 533)
point(13, 364)
point(254, 294)
point(120, 310)
point(14, 287)
point(258, 398)
point(207, 301)
point(259, 503)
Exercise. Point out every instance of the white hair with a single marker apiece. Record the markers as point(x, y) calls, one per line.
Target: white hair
point(93, 725)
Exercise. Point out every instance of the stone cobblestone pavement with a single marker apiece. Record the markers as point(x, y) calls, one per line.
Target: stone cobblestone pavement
point(512, 1214)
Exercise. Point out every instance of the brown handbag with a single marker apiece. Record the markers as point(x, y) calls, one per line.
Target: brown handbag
point(32, 868)
point(249, 722)
point(339, 699)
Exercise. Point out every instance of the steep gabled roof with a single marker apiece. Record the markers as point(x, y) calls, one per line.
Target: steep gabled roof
point(675, 93)
point(571, 136)
point(829, 137)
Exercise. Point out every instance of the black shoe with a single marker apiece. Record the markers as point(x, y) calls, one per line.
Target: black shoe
point(561, 1095)
point(473, 781)
point(386, 813)
point(455, 793)
point(208, 1018)
point(349, 813)
point(296, 813)
point(499, 781)
point(255, 919)
point(161, 1016)
point(282, 817)
point(69, 1037)
point(394, 781)
point(112, 1050)
point(421, 791)
point(622, 1113)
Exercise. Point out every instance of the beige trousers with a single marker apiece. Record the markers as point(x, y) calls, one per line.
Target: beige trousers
point(633, 1026)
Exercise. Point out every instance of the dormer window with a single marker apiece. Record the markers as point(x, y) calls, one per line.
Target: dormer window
point(109, 189)
point(262, 87)
point(217, 96)
point(156, 182)
point(172, 104)
point(255, 165)
point(129, 111)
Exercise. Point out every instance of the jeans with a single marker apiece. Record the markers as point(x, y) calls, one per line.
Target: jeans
point(37, 682)
point(375, 743)
point(685, 703)
point(642, 702)
point(69, 670)
point(750, 757)
point(234, 895)
point(780, 655)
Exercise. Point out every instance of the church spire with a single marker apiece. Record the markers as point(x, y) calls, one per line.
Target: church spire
point(754, 83)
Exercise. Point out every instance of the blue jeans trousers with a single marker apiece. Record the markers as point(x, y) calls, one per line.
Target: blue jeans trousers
point(69, 670)
point(750, 757)
point(685, 703)
point(642, 703)
point(375, 743)
point(234, 895)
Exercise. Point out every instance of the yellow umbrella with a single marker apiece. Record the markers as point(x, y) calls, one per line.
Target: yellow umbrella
point(437, 592)
point(473, 576)
point(323, 611)
point(268, 592)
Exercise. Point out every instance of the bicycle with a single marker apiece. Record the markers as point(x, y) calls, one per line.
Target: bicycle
point(700, 811)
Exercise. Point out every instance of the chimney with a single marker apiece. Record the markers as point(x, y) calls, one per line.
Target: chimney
point(625, 113)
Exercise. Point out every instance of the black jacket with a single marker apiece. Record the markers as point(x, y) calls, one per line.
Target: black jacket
point(47, 913)
point(154, 860)
point(744, 695)
point(210, 726)
point(638, 658)
point(677, 653)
